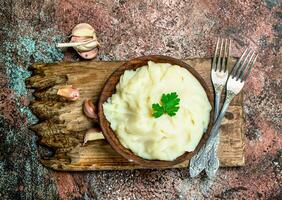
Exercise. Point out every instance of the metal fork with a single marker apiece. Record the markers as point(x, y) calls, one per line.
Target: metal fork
point(219, 75)
point(235, 83)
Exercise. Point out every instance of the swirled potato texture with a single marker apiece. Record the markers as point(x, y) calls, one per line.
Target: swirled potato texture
point(129, 111)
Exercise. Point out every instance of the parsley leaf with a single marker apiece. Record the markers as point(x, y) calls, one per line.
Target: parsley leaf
point(169, 105)
point(158, 110)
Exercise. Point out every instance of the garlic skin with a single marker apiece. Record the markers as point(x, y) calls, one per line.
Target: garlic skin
point(84, 30)
point(93, 134)
point(69, 92)
point(89, 109)
point(89, 54)
point(84, 45)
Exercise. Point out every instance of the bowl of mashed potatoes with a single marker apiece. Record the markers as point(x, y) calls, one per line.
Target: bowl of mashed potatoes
point(127, 118)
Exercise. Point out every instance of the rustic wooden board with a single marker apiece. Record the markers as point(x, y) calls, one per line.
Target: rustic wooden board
point(62, 124)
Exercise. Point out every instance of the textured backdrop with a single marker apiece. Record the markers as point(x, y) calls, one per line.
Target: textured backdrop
point(180, 28)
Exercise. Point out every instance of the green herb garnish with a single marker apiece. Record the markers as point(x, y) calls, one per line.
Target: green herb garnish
point(169, 105)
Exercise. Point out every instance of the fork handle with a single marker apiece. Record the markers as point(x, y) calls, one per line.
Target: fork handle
point(212, 160)
point(216, 103)
point(198, 161)
point(214, 132)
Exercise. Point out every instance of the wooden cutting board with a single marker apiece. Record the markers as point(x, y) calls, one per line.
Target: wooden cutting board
point(62, 124)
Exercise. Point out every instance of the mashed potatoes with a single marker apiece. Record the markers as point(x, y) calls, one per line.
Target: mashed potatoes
point(129, 111)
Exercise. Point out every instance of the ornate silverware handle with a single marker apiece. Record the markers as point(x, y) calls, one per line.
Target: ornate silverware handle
point(213, 162)
point(198, 161)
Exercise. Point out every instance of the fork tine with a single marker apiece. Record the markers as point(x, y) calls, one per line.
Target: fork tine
point(215, 55)
point(238, 63)
point(250, 68)
point(228, 55)
point(218, 67)
point(243, 65)
point(241, 74)
point(223, 66)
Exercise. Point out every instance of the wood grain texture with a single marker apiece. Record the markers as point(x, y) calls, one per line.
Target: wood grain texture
point(62, 124)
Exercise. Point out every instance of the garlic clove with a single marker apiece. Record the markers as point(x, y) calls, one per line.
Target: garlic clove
point(86, 46)
point(93, 134)
point(68, 92)
point(89, 109)
point(83, 30)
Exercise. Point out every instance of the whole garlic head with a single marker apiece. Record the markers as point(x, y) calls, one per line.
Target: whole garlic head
point(83, 39)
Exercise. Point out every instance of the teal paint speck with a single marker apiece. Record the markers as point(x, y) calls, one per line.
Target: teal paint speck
point(17, 76)
point(26, 46)
point(32, 119)
point(24, 49)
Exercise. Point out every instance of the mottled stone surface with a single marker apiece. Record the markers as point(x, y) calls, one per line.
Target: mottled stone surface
point(126, 29)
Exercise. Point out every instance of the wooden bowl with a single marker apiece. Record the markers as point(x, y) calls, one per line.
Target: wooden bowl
point(110, 88)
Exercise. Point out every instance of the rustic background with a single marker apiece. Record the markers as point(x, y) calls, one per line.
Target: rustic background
point(183, 29)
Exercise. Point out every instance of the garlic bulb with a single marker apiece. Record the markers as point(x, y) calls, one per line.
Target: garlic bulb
point(83, 40)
